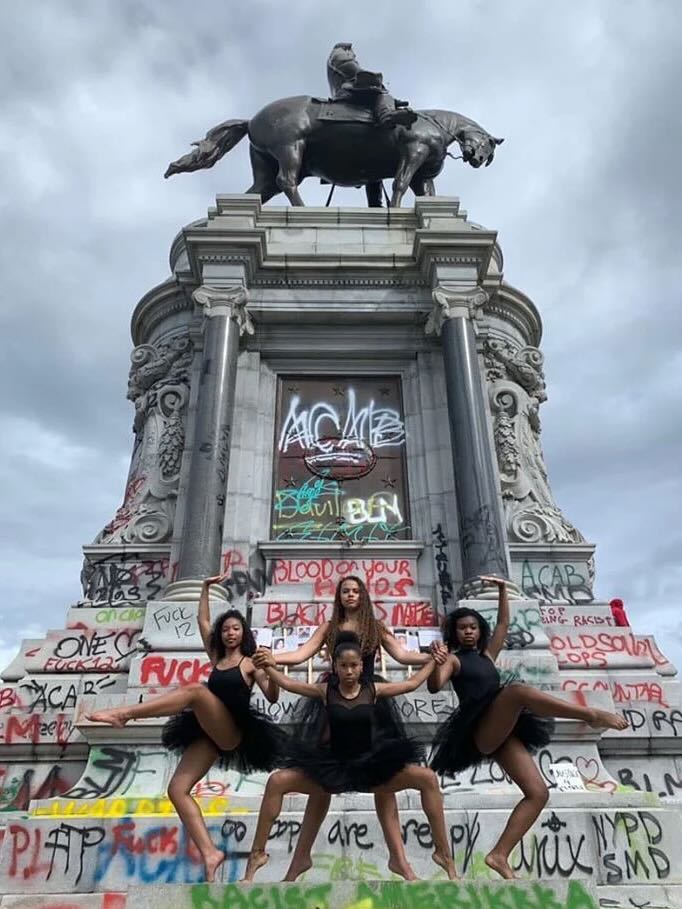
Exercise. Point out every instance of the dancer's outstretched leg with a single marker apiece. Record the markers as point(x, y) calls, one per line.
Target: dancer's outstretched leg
point(426, 782)
point(279, 784)
point(389, 818)
point(195, 764)
point(499, 720)
point(315, 812)
point(515, 759)
point(213, 716)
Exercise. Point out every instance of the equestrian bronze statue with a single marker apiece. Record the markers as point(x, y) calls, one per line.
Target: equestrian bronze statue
point(359, 137)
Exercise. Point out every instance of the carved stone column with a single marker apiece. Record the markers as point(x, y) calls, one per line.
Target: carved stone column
point(478, 500)
point(226, 320)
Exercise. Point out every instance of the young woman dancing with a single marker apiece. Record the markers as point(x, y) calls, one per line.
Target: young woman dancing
point(352, 611)
point(508, 722)
point(212, 720)
point(359, 756)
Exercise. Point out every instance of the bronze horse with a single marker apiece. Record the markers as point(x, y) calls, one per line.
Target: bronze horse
point(289, 142)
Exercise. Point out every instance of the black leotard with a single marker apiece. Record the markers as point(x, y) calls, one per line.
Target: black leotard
point(360, 752)
point(262, 745)
point(231, 687)
point(476, 685)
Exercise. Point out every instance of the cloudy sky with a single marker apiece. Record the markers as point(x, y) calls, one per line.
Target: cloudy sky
point(95, 99)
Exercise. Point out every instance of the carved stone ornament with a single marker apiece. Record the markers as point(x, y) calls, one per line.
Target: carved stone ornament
point(450, 303)
point(228, 301)
point(516, 388)
point(158, 386)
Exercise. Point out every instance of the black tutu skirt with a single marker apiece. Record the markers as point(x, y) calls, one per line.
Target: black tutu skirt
point(309, 719)
point(263, 746)
point(392, 748)
point(347, 773)
point(454, 748)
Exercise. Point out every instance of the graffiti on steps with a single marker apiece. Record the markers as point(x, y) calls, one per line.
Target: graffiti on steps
point(392, 895)
point(670, 782)
point(38, 694)
point(20, 783)
point(91, 650)
point(630, 846)
point(410, 614)
point(604, 649)
point(38, 729)
point(124, 578)
point(384, 577)
point(561, 615)
point(556, 581)
point(113, 770)
point(622, 692)
point(126, 807)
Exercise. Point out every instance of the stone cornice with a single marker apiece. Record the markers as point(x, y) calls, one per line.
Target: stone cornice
point(166, 299)
point(513, 306)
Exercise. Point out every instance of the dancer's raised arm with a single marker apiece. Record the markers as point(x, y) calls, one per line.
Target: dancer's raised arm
point(499, 635)
point(264, 660)
point(204, 616)
point(393, 689)
point(305, 651)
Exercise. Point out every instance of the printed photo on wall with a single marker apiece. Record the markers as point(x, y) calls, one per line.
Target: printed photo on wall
point(427, 636)
point(263, 636)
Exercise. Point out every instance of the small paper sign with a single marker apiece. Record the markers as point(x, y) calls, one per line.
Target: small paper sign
point(263, 636)
point(428, 636)
point(567, 777)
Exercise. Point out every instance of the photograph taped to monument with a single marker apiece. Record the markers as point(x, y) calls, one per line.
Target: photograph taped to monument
point(339, 470)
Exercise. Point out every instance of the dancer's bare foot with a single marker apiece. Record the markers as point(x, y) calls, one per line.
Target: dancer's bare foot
point(212, 863)
point(447, 863)
point(602, 719)
point(500, 864)
point(297, 868)
point(117, 716)
point(257, 858)
point(402, 868)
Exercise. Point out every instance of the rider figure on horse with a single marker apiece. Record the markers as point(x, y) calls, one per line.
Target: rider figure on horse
point(348, 81)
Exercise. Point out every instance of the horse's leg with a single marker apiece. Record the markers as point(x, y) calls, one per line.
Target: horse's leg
point(373, 192)
point(264, 169)
point(422, 187)
point(290, 158)
point(412, 157)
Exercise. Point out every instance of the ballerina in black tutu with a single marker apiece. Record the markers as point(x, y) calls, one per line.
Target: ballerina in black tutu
point(352, 611)
point(355, 754)
point(212, 720)
point(509, 722)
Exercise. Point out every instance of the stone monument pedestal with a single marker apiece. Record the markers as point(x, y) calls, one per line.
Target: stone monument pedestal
point(323, 392)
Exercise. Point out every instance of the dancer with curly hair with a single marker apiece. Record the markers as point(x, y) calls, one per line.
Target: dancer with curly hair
point(212, 720)
point(352, 611)
point(507, 722)
point(357, 755)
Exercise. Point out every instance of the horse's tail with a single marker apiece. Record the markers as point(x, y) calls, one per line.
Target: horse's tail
point(216, 143)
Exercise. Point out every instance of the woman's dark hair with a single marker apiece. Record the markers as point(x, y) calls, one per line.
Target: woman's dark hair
point(450, 628)
point(248, 644)
point(368, 626)
point(347, 640)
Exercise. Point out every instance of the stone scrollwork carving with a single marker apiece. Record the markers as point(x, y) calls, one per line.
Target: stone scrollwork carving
point(516, 387)
point(449, 302)
point(230, 301)
point(158, 386)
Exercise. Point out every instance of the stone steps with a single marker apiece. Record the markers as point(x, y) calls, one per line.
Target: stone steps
point(638, 844)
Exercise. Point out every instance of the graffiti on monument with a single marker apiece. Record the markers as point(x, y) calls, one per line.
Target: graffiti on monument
point(339, 467)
